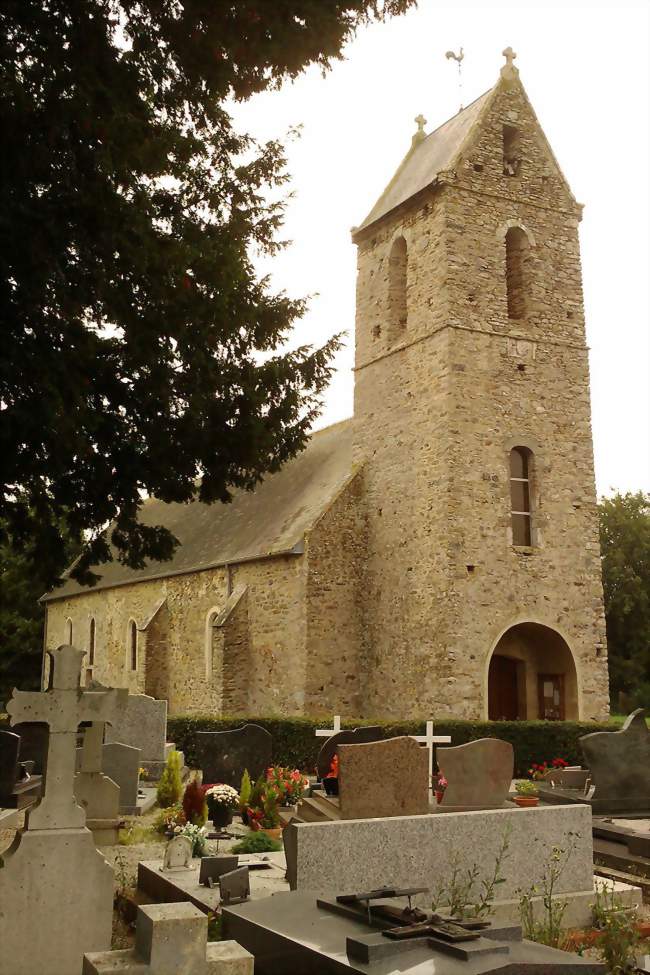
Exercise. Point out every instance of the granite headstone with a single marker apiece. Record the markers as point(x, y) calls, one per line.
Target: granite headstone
point(619, 762)
point(383, 778)
point(143, 725)
point(9, 768)
point(479, 774)
point(34, 738)
point(121, 763)
point(224, 755)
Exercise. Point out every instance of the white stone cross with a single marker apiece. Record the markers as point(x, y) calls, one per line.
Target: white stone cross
point(63, 706)
point(171, 939)
point(509, 55)
point(328, 732)
point(429, 739)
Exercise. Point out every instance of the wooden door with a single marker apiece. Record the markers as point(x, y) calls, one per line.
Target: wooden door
point(503, 689)
point(551, 696)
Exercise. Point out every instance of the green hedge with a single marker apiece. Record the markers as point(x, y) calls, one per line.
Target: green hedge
point(295, 745)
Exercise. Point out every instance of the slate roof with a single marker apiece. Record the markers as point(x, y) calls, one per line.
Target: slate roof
point(271, 520)
point(425, 159)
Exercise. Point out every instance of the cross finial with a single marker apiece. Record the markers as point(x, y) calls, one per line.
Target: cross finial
point(508, 70)
point(420, 121)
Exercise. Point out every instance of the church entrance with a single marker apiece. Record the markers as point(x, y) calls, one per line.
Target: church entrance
point(531, 675)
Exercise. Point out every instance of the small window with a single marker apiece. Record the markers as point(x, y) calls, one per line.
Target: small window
point(68, 632)
point(517, 272)
point(520, 466)
point(511, 150)
point(209, 642)
point(133, 645)
point(397, 272)
point(91, 642)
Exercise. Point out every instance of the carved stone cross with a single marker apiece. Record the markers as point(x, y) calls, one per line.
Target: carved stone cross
point(420, 121)
point(509, 55)
point(62, 707)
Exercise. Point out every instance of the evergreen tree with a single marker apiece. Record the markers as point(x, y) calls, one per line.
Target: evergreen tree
point(140, 347)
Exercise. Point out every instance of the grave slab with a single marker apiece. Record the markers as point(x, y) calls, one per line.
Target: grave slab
point(171, 939)
point(619, 762)
point(223, 755)
point(143, 725)
point(95, 792)
point(383, 778)
point(122, 764)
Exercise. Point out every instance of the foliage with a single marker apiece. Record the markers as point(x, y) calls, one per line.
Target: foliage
point(257, 842)
point(290, 784)
point(221, 796)
point(167, 819)
point(135, 833)
point(618, 938)
point(215, 926)
point(295, 744)
point(526, 788)
point(24, 577)
point(140, 345)
point(194, 804)
point(465, 892)
point(548, 930)
point(625, 549)
point(263, 808)
point(197, 836)
point(170, 787)
point(245, 791)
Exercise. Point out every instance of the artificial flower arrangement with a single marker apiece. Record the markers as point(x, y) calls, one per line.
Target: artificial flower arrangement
point(539, 770)
point(290, 784)
point(439, 785)
point(168, 819)
point(263, 808)
point(196, 834)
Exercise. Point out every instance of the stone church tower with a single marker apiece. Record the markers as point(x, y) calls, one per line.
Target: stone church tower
point(437, 554)
point(482, 583)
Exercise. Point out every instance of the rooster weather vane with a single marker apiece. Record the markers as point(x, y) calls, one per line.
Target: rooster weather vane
point(458, 58)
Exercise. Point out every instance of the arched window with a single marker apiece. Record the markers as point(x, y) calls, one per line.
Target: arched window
point(209, 642)
point(133, 645)
point(68, 631)
point(521, 515)
point(397, 310)
point(91, 642)
point(517, 276)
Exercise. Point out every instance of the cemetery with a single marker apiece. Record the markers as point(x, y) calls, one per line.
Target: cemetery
point(400, 850)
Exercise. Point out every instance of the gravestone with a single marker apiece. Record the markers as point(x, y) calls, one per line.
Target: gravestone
point(383, 778)
point(223, 755)
point(97, 793)
point(352, 736)
point(479, 774)
point(143, 725)
point(18, 788)
point(178, 854)
point(171, 939)
point(619, 762)
point(56, 889)
point(122, 764)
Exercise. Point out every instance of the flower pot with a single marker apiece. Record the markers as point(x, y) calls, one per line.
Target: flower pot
point(221, 816)
point(439, 794)
point(526, 802)
point(275, 832)
point(331, 786)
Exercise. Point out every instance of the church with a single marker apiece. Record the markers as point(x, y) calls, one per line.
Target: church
point(437, 554)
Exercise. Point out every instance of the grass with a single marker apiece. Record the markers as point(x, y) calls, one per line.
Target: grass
point(137, 833)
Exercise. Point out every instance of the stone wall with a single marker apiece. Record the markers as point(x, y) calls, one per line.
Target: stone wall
point(438, 414)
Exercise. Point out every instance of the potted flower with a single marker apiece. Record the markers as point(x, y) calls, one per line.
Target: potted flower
point(290, 784)
point(527, 793)
point(222, 800)
point(263, 813)
point(439, 786)
point(331, 780)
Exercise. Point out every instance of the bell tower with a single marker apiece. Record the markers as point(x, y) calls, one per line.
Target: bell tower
point(482, 584)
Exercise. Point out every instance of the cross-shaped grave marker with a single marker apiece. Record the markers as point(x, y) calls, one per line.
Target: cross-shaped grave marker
point(429, 739)
point(62, 707)
point(171, 939)
point(328, 732)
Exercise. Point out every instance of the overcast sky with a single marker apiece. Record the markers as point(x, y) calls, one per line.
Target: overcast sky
point(585, 68)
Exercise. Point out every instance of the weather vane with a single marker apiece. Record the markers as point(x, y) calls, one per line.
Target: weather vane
point(458, 58)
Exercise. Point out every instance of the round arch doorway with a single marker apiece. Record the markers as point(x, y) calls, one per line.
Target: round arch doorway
point(532, 674)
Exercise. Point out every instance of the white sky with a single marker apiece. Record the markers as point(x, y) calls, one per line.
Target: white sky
point(585, 68)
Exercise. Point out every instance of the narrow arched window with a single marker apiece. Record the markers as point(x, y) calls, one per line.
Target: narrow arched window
point(397, 309)
point(68, 631)
point(517, 283)
point(521, 515)
point(91, 642)
point(209, 642)
point(133, 645)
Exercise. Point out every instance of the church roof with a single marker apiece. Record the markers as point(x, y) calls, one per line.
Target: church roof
point(271, 520)
point(425, 159)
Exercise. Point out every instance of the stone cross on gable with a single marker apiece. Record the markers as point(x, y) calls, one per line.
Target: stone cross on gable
point(62, 707)
point(171, 939)
point(510, 56)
